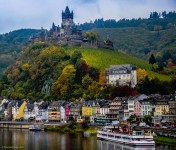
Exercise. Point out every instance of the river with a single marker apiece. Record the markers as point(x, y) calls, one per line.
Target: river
point(24, 139)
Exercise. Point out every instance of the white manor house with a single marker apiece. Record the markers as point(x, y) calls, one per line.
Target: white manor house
point(122, 75)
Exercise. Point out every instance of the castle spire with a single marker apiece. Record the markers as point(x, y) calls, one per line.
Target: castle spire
point(67, 10)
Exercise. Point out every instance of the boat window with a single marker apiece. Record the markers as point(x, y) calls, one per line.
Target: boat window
point(137, 139)
point(110, 135)
point(117, 137)
point(104, 134)
point(138, 133)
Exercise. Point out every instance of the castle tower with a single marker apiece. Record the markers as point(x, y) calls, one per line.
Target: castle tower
point(67, 21)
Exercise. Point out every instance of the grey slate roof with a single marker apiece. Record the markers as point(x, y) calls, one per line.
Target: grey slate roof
point(120, 69)
point(30, 107)
point(56, 103)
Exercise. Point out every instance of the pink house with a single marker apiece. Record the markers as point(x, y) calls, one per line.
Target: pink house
point(67, 111)
point(137, 108)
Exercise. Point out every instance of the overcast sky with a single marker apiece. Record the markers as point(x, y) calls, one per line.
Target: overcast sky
point(17, 14)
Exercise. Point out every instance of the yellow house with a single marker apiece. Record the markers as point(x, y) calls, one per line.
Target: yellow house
point(161, 108)
point(21, 110)
point(18, 110)
point(87, 110)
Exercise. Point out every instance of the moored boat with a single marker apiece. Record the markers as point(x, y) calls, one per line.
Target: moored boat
point(126, 136)
point(36, 128)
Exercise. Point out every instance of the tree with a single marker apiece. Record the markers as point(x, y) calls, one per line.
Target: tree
point(141, 75)
point(152, 60)
point(92, 37)
point(86, 81)
point(148, 119)
point(102, 78)
point(64, 85)
point(145, 86)
point(76, 56)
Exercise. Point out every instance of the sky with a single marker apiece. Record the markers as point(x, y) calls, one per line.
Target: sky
point(34, 14)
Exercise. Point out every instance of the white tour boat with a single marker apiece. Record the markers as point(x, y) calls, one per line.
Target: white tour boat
point(126, 135)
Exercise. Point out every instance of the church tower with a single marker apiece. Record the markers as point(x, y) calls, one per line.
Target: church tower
point(67, 21)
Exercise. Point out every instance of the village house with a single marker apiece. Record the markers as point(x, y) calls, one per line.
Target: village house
point(123, 110)
point(28, 112)
point(161, 108)
point(137, 108)
point(9, 115)
point(67, 110)
point(54, 113)
point(131, 102)
point(43, 110)
point(121, 75)
point(86, 109)
point(31, 112)
point(62, 114)
point(2, 111)
point(76, 110)
point(104, 108)
point(146, 107)
point(97, 109)
point(114, 109)
point(18, 110)
point(172, 106)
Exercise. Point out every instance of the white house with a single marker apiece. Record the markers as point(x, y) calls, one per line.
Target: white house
point(146, 108)
point(63, 115)
point(104, 108)
point(131, 105)
point(28, 112)
point(31, 111)
point(121, 75)
point(43, 110)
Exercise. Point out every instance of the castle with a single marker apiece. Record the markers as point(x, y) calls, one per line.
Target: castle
point(66, 34)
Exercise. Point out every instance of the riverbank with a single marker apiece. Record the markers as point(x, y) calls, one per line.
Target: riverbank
point(165, 140)
point(72, 128)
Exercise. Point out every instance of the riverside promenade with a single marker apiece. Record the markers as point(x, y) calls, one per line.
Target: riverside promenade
point(24, 125)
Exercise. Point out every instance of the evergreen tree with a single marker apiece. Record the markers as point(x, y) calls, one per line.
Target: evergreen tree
point(152, 60)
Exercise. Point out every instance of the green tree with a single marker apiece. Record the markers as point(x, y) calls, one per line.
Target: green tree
point(148, 119)
point(86, 81)
point(76, 56)
point(152, 60)
point(92, 37)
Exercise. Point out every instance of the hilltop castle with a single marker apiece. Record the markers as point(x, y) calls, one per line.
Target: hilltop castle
point(66, 34)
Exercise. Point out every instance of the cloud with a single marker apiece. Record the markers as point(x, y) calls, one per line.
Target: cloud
point(16, 14)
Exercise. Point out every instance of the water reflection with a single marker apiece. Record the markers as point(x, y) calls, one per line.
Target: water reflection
point(107, 145)
point(24, 139)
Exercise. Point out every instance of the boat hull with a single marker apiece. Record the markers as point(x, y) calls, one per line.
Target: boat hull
point(30, 129)
point(126, 139)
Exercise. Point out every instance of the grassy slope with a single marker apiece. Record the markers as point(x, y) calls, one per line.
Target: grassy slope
point(135, 39)
point(103, 58)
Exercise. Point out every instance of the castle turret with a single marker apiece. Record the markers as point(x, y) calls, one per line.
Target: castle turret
point(67, 14)
point(67, 21)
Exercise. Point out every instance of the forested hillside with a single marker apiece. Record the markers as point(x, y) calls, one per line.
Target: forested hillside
point(55, 72)
point(137, 37)
point(11, 44)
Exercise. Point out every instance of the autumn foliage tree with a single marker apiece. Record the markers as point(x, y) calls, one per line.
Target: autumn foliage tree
point(141, 75)
point(102, 78)
point(64, 85)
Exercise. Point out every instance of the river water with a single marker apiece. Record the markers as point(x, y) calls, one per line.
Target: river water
point(28, 140)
